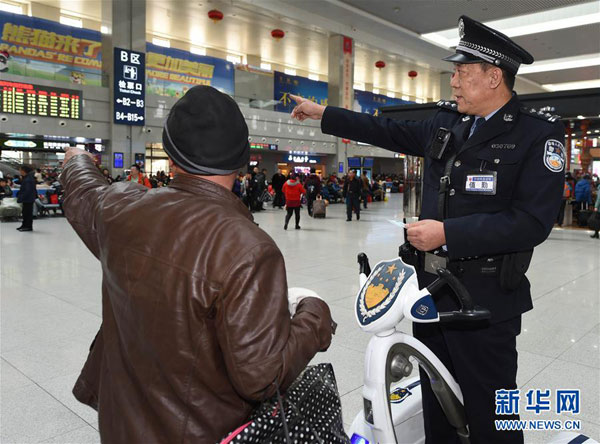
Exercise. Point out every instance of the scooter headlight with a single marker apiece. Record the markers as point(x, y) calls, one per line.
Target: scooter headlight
point(357, 439)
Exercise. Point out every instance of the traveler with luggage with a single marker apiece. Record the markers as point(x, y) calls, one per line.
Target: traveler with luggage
point(313, 189)
point(277, 183)
point(293, 191)
point(583, 199)
point(26, 196)
point(366, 189)
point(352, 192)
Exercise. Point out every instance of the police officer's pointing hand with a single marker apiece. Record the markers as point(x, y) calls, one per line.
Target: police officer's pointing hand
point(306, 109)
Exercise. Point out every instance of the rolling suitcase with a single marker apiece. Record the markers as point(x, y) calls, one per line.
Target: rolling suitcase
point(319, 209)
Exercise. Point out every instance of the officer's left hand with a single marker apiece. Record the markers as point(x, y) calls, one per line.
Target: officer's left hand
point(426, 235)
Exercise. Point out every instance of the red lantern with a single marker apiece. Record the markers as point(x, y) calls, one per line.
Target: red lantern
point(412, 74)
point(277, 34)
point(215, 15)
point(379, 64)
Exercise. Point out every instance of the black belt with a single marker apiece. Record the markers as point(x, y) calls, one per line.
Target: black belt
point(487, 266)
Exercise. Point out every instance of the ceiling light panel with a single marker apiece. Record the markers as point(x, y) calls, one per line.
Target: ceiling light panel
point(567, 86)
point(551, 20)
point(562, 63)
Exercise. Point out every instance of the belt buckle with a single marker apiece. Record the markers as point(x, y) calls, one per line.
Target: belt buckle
point(433, 262)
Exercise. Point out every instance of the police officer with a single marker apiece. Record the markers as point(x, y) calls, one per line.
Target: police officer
point(492, 187)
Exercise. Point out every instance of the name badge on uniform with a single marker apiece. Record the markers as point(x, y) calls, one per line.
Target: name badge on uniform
point(481, 182)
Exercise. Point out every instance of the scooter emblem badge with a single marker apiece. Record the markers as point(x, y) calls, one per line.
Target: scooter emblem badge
point(381, 289)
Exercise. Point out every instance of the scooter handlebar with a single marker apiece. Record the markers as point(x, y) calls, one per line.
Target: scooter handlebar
point(468, 310)
point(363, 263)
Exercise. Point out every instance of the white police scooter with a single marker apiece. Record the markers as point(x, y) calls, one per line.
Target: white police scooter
point(393, 410)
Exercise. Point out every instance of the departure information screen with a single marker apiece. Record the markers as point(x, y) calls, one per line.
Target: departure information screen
point(36, 100)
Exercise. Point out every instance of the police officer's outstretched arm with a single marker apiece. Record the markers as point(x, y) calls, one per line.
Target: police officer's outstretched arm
point(400, 136)
point(532, 211)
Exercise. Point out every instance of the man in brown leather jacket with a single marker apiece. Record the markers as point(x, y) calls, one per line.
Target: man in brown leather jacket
point(195, 321)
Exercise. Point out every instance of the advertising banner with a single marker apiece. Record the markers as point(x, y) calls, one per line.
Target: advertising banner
point(368, 102)
point(48, 50)
point(172, 72)
point(301, 86)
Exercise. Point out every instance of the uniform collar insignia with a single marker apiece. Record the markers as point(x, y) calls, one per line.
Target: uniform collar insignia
point(508, 117)
point(464, 119)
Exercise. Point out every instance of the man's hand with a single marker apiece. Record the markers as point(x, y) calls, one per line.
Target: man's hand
point(305, 109)
point(72, 152)
point(426, 235)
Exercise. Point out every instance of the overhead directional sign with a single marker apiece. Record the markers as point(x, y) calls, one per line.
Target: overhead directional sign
point(129, 87)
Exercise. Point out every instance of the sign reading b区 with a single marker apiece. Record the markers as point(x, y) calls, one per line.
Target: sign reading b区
point(129, 87)
point(36, 100)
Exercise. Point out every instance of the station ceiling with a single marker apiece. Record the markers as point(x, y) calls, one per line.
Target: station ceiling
point(389, 30)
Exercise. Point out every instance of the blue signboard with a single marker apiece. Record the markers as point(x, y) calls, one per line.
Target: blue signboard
point(118, 160)
point(368, 102)
point(172, 72)
point(129, 87)
point(353, 162)
point(300, 158)
point(301, 86)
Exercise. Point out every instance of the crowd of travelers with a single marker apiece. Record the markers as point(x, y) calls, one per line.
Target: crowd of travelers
point(290, 192)
point(583, 193)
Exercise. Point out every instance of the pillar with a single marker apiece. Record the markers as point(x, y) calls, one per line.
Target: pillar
point(445, 89)
point(126, 23)
point(341, 82)
point(253, 60)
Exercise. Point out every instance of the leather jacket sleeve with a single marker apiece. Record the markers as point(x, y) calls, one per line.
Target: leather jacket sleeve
point(85, 193)
point(261, 345)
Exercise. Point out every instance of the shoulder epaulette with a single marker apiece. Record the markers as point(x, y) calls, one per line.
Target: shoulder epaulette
point(540, 114)
point(447, 105)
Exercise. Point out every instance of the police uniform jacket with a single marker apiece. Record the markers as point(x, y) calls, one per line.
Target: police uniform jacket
point(518, 145)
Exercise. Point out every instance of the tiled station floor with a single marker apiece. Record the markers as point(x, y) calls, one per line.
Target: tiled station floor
point(51, 306)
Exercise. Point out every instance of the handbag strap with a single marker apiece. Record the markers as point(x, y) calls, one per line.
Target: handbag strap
point(282, 413)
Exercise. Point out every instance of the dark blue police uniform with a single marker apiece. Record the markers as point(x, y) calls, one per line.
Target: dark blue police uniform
point(497, 193)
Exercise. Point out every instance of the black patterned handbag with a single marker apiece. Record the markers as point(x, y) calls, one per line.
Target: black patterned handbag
point(309, 412)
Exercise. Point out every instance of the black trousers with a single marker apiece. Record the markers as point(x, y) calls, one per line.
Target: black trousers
point(279, 199)
point(352, 202)
point(27, 213)
point(309, 203)
point(561, 212)
point(483, 359)
point(288, 216)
